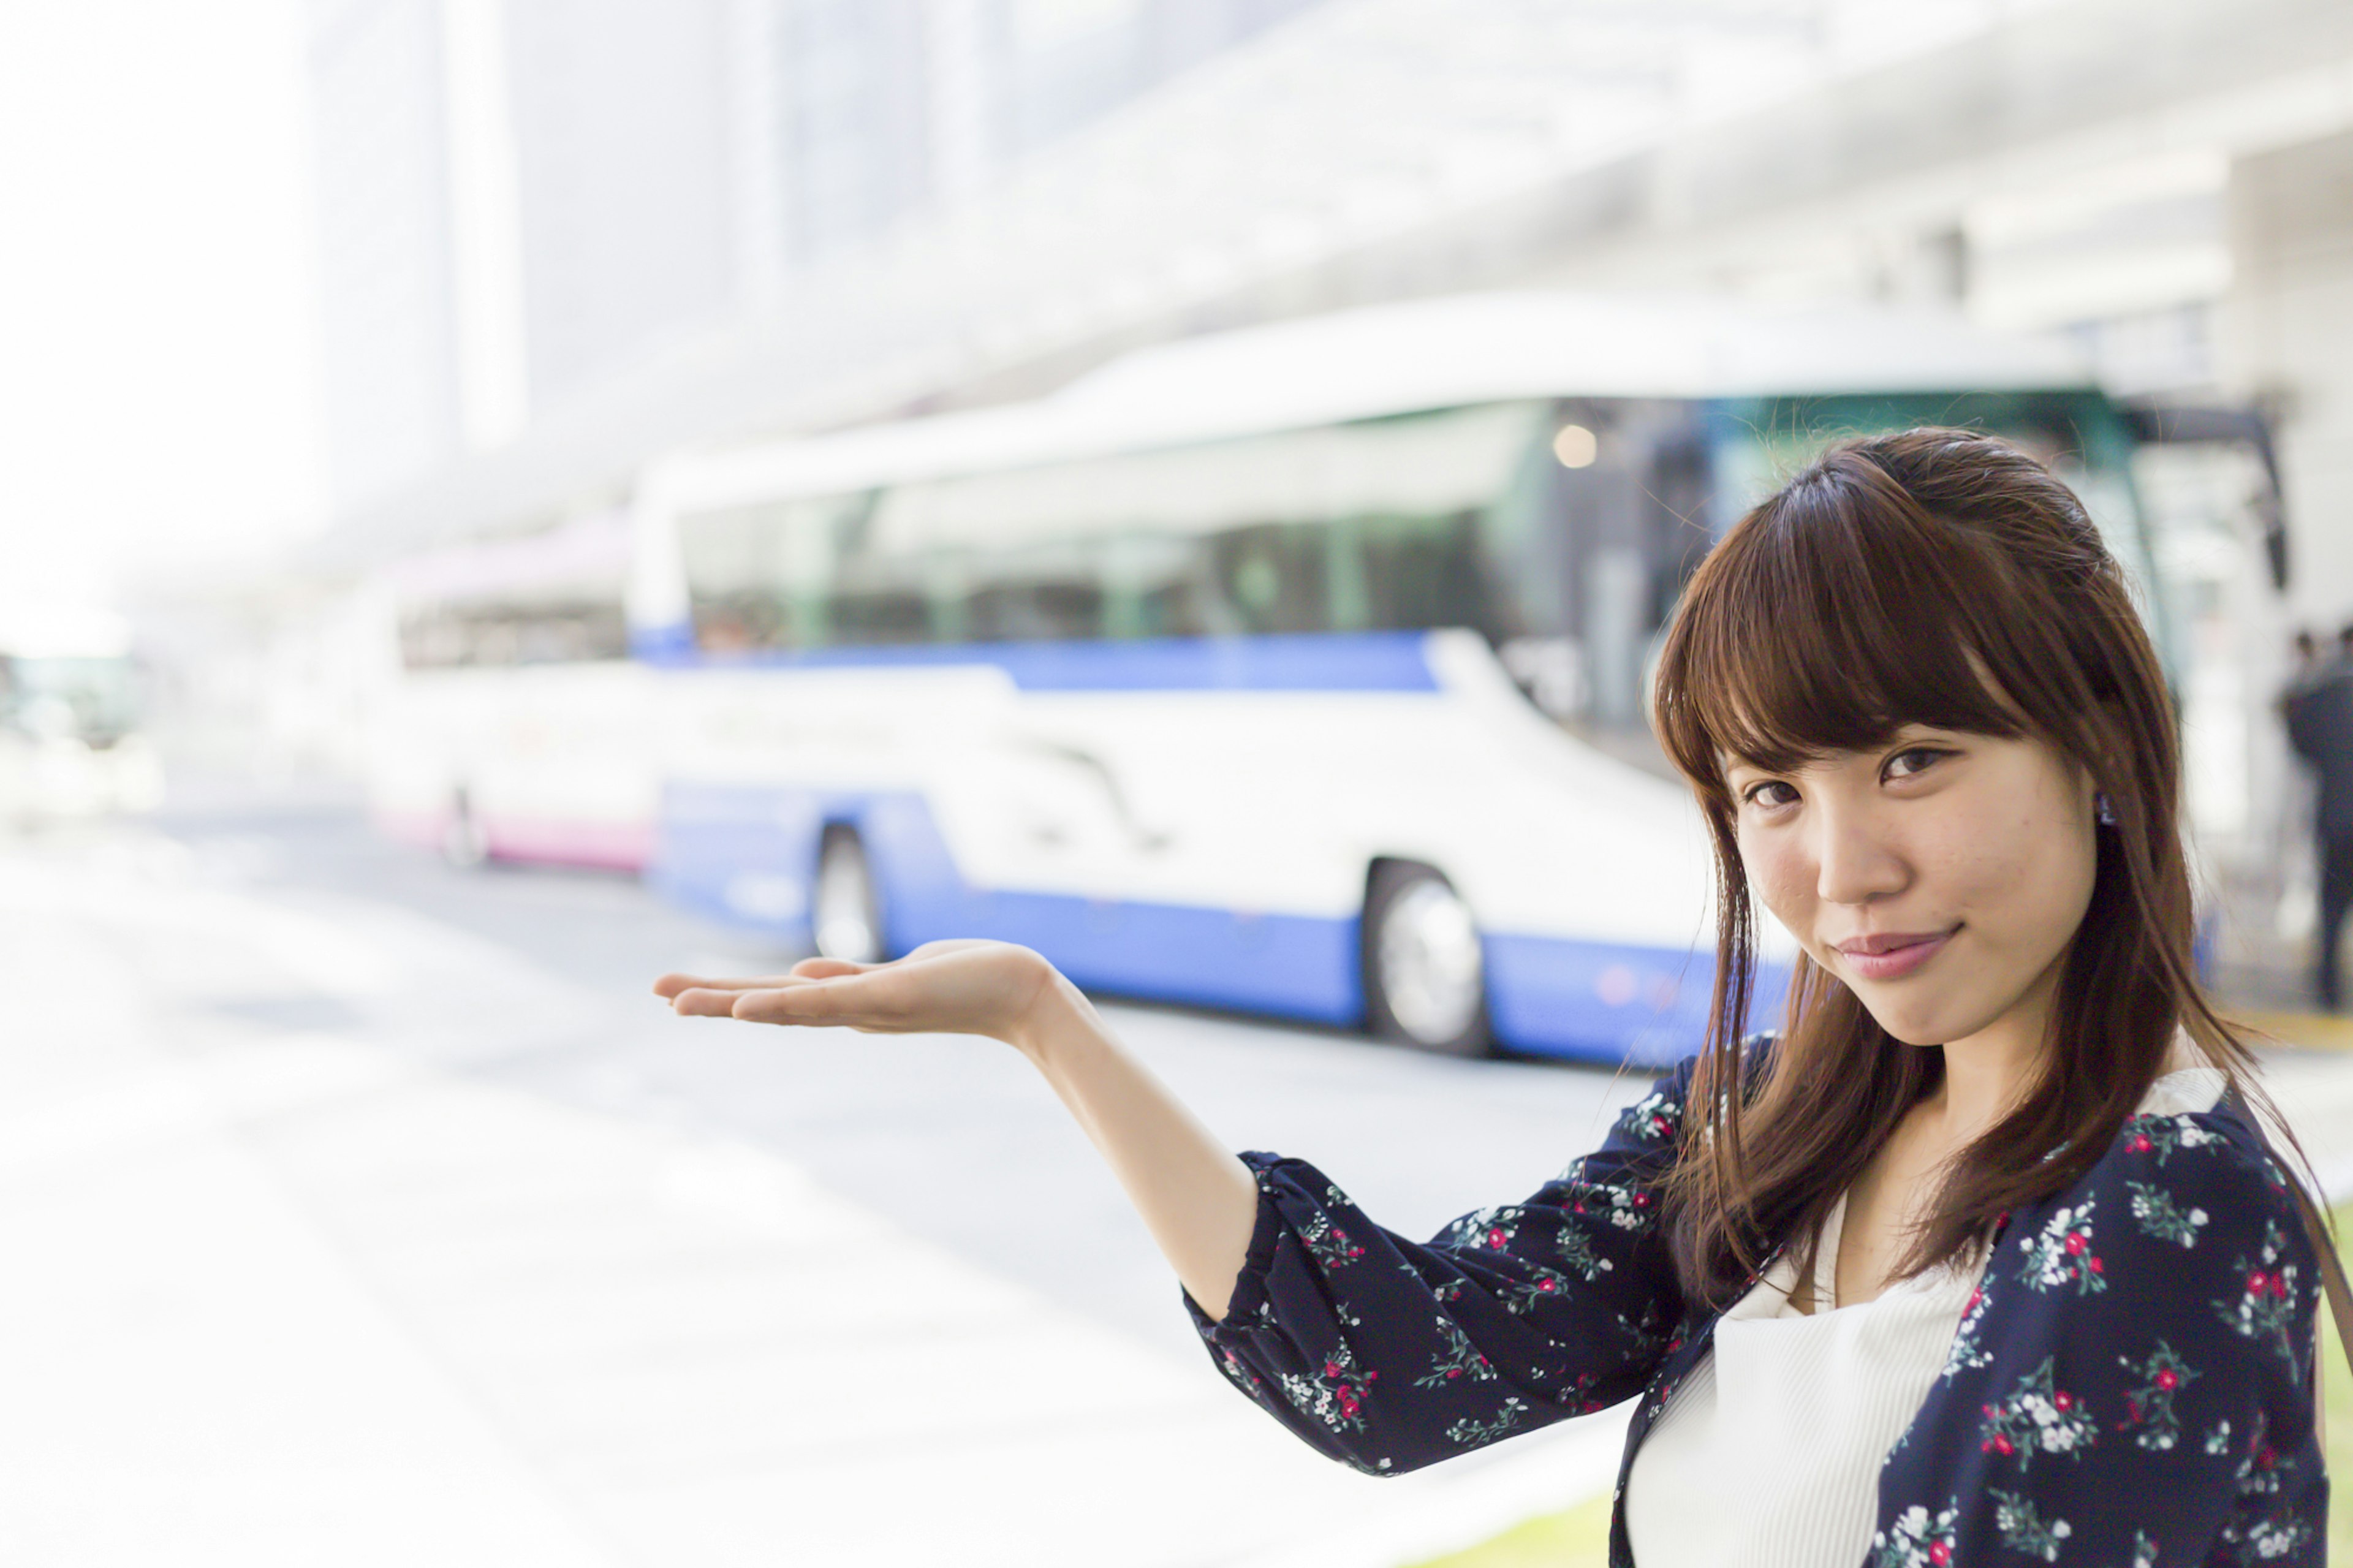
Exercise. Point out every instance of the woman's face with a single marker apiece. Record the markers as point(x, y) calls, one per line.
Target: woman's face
point(1940, 875)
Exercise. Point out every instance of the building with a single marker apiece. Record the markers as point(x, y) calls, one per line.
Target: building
point(523, 202)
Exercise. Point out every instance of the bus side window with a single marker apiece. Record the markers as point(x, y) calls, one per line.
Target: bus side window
point(1424, 572)
point(1272, 576)
point(1039, 609)
point(568, 632)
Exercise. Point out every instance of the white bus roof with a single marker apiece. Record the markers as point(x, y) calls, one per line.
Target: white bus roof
point(1400, 359)
point(67, 630)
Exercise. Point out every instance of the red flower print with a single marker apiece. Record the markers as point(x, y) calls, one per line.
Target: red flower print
point(2095, 1265)
point(2076, 1241)
point(2169, 1380)
point(1941, 1552)
point(2063, 1400)
point(2256, 1283)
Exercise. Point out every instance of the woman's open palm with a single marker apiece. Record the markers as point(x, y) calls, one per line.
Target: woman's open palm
point(964, 987)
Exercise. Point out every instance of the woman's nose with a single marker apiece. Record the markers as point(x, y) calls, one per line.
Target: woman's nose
point(1854, 860)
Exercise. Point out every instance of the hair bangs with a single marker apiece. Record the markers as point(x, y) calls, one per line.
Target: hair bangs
point(1834, 618)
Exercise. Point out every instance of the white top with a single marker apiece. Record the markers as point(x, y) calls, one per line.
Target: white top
point(1768, 1455)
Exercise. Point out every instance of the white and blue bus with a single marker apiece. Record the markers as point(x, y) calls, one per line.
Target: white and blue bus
point(1297, 670)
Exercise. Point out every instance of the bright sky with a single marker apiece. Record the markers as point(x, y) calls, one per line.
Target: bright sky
point(157, 316)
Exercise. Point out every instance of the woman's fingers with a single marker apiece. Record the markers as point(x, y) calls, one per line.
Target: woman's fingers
point(670, 985)
point(704, 1002)
point(827, 969)
point(956, 987)
point(862, 1001)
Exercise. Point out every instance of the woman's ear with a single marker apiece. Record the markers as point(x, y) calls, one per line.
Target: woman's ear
point(2107, 738)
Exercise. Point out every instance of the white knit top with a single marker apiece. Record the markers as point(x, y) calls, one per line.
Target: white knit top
point(1768, 1455)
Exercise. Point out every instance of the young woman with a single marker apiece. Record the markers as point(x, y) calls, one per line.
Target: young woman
point(1983, 1260)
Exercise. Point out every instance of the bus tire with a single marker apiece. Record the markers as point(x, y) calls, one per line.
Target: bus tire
point(845, 909)
point(1424, 965)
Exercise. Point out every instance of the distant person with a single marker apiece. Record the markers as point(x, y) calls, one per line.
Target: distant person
point(2307, 658)
point(1982, 1261)
point(2318, 712)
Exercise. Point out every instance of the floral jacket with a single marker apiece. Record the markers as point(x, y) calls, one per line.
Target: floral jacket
point(2131, 1385)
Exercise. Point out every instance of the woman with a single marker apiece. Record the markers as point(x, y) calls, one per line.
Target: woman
point(1983, 1260)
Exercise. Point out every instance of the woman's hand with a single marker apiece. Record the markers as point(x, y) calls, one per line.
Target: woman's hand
point(1198, 1201)
point(961, 987)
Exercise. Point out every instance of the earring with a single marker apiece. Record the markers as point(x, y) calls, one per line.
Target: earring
point(2105, 808)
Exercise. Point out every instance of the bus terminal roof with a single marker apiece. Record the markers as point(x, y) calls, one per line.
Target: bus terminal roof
point(1396, 359)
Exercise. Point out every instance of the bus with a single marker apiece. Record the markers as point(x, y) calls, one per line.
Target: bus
point(72, 742)
point(1297, 670)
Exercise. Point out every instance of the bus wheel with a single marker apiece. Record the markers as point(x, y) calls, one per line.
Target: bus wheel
point(1425, 977)
point(845, 914)
point(464, 843)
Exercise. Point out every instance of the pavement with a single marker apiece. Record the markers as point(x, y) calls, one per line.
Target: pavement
point(294, 1280)
point(290, 1291)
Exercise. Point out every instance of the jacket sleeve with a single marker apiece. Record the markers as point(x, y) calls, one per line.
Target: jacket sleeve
point(1390, 1354)
point(2157, 1411)
point(2296, 705)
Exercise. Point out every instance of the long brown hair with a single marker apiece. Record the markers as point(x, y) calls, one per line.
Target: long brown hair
point(1945, 578)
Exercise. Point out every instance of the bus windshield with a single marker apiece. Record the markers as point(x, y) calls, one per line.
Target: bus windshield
point(90, 698)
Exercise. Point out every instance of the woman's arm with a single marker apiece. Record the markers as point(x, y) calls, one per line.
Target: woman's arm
point(1375, 1349)
point(1198, 1199)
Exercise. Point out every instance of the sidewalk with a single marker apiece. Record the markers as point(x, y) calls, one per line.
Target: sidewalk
point(286, 1296)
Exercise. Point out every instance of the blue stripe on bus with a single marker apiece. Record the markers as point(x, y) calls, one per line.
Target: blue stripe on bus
point(1350, 661)
point(1646, 1005)
point(748, 855)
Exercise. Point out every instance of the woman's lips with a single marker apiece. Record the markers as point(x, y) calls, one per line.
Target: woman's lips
point(1892, 957)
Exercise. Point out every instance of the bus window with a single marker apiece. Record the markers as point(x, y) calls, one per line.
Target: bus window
point(90, 697)
point(1043, 593)
point(1275, 576)
point(1375, 526)
point(448, 634)
point(1159, 586)
point(1425, 572)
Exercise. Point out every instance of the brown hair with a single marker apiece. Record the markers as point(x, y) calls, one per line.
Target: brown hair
point(1888, 585)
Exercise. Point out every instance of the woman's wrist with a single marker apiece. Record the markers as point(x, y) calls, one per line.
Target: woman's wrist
point(1058, 1017)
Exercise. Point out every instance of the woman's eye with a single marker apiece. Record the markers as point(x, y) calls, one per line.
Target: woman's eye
point(1913, 760)
point(1762, 794)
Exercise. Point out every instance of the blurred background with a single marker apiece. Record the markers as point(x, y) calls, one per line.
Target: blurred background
point(500, 498)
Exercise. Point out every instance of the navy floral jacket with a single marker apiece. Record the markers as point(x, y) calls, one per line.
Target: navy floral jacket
point(2131, 1385)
